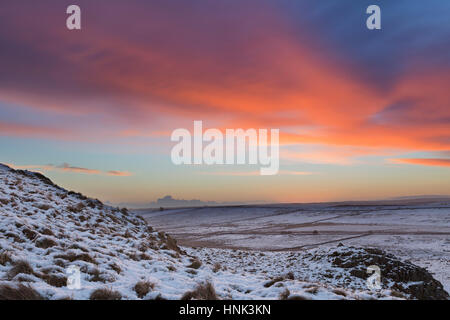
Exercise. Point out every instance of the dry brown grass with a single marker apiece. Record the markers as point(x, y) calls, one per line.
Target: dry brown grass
point(44, 207)
point(47, 232)
point(29, 234)
point(80, 206)
point(5, 257)
point(191, 271)
point(273, 281)
point(105, 294)
point(397, 294)
point(14, 236)
point(297, 297)
point(116, 267)
point(128, 234)
point(340, 292)
point(20, 292)
point(45, 243)
point(59, 263)
point(76, 209)
point(171, 268)
point(71, 256)
point(289, 276)
point(95, 274)
point(203, 291)
point(216, 268)
point(55, 281)
point(195, 264)
point(172, 244)
point(77, 246)
point(284, 295)
point(20, 266)
point(143, 287)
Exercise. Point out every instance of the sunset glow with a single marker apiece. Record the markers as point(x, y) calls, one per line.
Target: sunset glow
point(362, 114)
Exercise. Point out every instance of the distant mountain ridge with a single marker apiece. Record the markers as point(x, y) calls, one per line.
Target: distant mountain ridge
point(169, 202)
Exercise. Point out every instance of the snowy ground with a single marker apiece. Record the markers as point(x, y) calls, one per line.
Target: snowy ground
point(45, 229)
point(418, 231)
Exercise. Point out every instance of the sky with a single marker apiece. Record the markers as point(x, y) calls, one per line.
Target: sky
point(362, 114)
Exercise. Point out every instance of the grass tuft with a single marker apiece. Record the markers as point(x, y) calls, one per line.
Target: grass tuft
point(20, 292)
point(143, 287)
point(203, 291)
point(105, 294)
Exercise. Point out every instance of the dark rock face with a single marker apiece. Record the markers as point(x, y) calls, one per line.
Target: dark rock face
point(408, 278)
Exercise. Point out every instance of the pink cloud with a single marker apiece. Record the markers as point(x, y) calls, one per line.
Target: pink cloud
point(65, 167)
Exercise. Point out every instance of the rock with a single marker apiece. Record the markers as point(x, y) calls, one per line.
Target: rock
point(408, 278)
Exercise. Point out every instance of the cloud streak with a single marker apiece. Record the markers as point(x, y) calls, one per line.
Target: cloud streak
point(435, 162)
point(65, 167)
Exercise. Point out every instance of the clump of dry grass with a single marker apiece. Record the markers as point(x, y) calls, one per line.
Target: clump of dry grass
point(55, 281)
point(128, 234)
point(44, 207)
point(77, 246)
point(397, 294)
point(273, 281)
point(340, 292)
point(76, 209)
point(284, 295)
point(216, 268)
point(105, 294)
point(47, 232)
point(96, 276)
point(191, 271)
point(171, 244)
point(289, 276)
point(20, 266)
point(116, 267)
point(5, 257)
point(171, 268)
point(195, 264)
point(45, 243)
point(297, 297)
point(143, 287)
point(29, 234)
point(203, 291)
point(71, 256)
point(59, 263)
point(14, 236)
point(20, 292)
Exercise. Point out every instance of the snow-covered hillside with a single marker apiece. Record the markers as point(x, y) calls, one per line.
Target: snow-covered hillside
point(44, 230)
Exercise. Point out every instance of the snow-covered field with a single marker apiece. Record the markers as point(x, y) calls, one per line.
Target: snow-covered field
point(416, 230)
point(44, 230)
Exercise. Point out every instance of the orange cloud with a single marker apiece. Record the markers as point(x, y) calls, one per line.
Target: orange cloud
point(119, 173)
point(265, 79)
point(23, 130)
point(425, 162)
